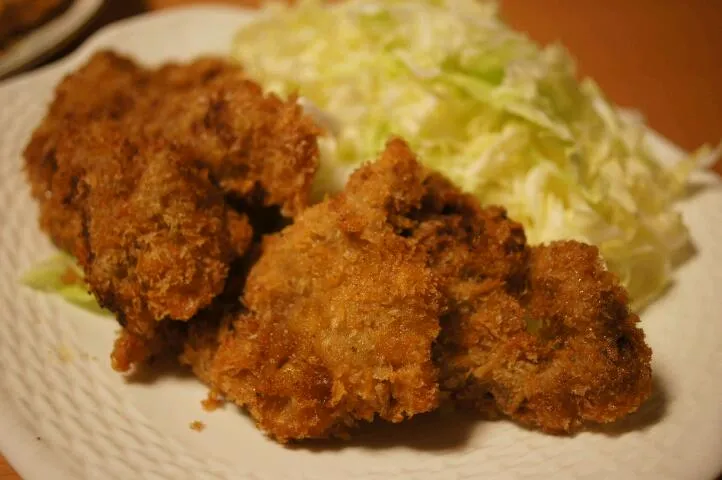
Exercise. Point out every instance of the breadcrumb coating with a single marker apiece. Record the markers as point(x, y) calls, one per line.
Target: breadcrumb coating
point(152, 179)
point(339, 321)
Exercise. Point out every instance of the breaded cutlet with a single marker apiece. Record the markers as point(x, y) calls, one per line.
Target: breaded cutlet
point(152, 178)
point(340, 316)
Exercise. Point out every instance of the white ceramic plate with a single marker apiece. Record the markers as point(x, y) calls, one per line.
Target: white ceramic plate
point(49, 37)
point(65, 415)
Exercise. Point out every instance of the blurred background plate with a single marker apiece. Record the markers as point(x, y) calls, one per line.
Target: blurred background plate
point(42, 41)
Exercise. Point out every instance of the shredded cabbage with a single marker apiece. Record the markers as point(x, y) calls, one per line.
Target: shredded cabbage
point(60, 275)
point(502, 117)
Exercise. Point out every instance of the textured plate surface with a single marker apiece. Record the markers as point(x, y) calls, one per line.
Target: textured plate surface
point(49, 37)
point(65, 414)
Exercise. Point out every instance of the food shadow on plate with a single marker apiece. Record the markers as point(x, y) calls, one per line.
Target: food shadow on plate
point(445, 429)
point(649, 414)
point(697, 187)
point(159, 369)
point(689, 251)
point(684, 254)
point(437, 431)
point(679, 258)
point(448, 431)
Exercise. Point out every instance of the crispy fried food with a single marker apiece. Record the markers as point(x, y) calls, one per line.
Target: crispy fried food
point(106, 88)
point(19, 16)
point(563, 352)
point(543, 334)
point(341, 316)
point(153, 178)
point(590, 363)
point(258, 149)
point(154, 235)
point(380, 301)
point(156, 243)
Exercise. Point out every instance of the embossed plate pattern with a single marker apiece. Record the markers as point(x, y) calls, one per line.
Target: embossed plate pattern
point(64, 414)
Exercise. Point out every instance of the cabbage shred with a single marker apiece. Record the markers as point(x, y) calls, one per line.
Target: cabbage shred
point(502, 117)
point(61, 275)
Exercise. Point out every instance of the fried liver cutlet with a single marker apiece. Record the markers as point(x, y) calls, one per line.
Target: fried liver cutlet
point(107, 87)
point(542, 334)
point(382, 301)
point(339, 321)
point(589, 361)
point(156, 243)
point(151, 179)
point(258, 149)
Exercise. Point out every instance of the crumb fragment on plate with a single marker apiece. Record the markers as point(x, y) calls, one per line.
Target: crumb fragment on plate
point(65, 354)
point(197, 426)
point(71, 277)
point(213, 401)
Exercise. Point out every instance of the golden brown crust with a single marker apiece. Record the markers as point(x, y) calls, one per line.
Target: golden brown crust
point(598, 369)
point(256, 146)
point(258, 149)
point(152, 232)
point(341, 317)
point(151, 179)
point(113, 83)
point(341, 313)
point(543, 334)
point(339, 329)
point(157, 241)
point(107, 86)
point(587, 362)
point(540, 334)
point(566, 352)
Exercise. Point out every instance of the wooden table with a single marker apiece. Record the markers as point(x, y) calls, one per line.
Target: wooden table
point(662, 57)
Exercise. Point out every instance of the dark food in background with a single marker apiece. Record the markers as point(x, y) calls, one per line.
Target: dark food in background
point(20, 16)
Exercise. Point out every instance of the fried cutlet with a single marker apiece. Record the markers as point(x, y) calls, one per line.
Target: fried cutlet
point(258, 149)
point(380, 301)
point(105, 88)
point(155, 242)
point(151, 178)
point(542, 334)
point(340, 314)
point(109, 87)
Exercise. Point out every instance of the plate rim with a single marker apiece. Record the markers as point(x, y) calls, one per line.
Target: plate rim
point(21, 448)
